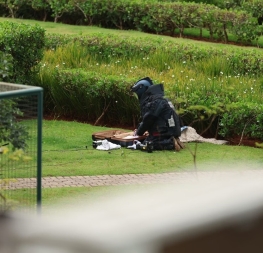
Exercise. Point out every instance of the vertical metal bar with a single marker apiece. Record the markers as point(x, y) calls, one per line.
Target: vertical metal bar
point(39, 149)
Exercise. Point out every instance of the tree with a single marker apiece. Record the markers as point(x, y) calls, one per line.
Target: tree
point(58, 7)
point(88, 8)
point(12, 5)
point(41, 5)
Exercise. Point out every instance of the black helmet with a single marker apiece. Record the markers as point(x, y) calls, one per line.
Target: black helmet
point(141, 86)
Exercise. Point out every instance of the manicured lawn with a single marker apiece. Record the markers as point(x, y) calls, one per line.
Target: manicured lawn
point(68, 151)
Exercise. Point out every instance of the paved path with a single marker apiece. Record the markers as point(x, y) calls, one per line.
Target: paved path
point(106, 180)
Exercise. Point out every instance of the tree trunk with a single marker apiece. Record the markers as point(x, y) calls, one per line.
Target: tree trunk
point(45, 16)
point(225, 33)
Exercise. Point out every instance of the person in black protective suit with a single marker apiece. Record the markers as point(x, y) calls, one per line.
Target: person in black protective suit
point(158, 116)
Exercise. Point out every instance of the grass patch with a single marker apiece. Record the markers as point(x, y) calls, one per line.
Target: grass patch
point(64, 195)
point(58, 28)
point(67, 151)
point(67, 196)
point(181, 78)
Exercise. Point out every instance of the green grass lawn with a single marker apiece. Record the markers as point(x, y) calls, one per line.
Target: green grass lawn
point(68, 151)
point(64, 196)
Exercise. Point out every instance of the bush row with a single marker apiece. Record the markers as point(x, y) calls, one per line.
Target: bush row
point(21, 48)
point(242, 119)
point(150, 16)
point(106, 100)
point(240, 60)
point(199, 108)
point(91, 97)
point(102, 99)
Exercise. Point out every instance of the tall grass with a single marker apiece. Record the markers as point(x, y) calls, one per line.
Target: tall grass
point(213, 77)
point(93, 88)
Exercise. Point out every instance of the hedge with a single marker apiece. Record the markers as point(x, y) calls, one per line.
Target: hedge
point(164, 17)
point(92, 97)
point(106, 100)
point(247, 62)
point(25, 44)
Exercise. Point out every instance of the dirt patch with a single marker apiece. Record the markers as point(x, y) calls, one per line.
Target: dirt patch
point(238, 140)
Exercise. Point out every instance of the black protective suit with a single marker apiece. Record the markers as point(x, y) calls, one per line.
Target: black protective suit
point(158, 118)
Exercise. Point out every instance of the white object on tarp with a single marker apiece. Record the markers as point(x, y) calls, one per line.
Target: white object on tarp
point(189, 134)
point(133, 146)
point(107, 145)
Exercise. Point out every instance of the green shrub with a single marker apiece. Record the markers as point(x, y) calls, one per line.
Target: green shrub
point(103, 98)
point(10, 129)
point(85, 77)
point(255, 7)
point(171, 17)
point(200, 81)
point(242, 119)
point(6, 66)
point(93, 97)
point(26, 44)
point(106, 48)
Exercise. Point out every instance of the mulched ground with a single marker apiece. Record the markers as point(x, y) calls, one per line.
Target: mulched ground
point(244, 141)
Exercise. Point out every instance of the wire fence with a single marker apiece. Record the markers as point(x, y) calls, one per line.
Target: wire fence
point(20, 145)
